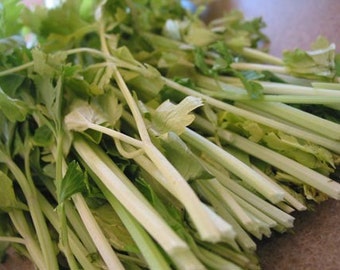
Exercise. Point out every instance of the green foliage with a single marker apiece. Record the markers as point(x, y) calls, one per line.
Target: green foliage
point(317, 63)
point(73, 182)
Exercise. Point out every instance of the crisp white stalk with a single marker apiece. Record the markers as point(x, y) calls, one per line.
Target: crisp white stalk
point(242, 237)
point(310, 136)
point(105, 250)
point(150, 251)
point(12, 239)
point(300, 133)
point(39, 222)
point(225, 230)
point(259, 67)
point(236, 166)
point(80, 252)
point(230, 203)
point(121, 187)
point(262, 56)
point(181, 189)
point(288, 197)
point(116, 134)
point(269, 209)
point(32, 246)
point(254, 211)
point(306, 120)
point(285, 88)
point(306, 175)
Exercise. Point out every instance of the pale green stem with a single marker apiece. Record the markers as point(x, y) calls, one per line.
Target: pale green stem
point(183, 191)
point(234, 165)
point(81, 253)
point(117, 135)
point(262, 56)
point(33, 248)
point(306, 120)
point(124, 191)
point(300, 133)
point(259, 67)
point(306, 175)
point(109, 256)
point(288, 197)
point(253, 199)
point(17, 240)
point(134, 202)
point(242, 237)
point(16, 69)
point(146, 245)
point(39, 222)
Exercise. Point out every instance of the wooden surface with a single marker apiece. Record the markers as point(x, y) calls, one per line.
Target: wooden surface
point(315, 241)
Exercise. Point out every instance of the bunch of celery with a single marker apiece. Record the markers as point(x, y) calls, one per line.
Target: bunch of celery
point(135, 136)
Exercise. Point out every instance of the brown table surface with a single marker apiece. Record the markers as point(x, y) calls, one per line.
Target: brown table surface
point(315, 241)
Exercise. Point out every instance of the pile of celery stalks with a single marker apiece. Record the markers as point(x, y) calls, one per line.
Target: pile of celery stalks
point(135, 136)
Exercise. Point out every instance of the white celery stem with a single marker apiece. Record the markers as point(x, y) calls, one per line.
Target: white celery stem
point(306, 120)
point(104, 248)
point(226, 229)
point(38, 219)
point(20, 223)
point(242, 237)
point(74, 218)
point(242, 218)
point(306, 175)
point(288, 197)
point(117, 135)
point(230, 203)
point(80, 252)
point(269, 209)
point(297, 132)
point(17, 240)
point(232, 88)
point(259, 67)
point(310, 136)
point(150, 168)
point(262, 56)
point(234, 165)
point(146, 245)
point(255, 212)
point(182, 189)
point(284, 88)
point(135, 204)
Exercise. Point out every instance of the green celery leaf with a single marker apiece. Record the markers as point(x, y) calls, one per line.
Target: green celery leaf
point(178, 153)
point(114, 230)
point(12, 51)
point(222, 49)
point(171, 117)
point(8, 200)
point(198, 35)
point(10, 11)
point(254, 89)
point(200, 63)
point(10, 84)
point(73, 182)
point(48, 64)
point(310, 155)
point(318, 63)
point(13, 109)
point(43, 136)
